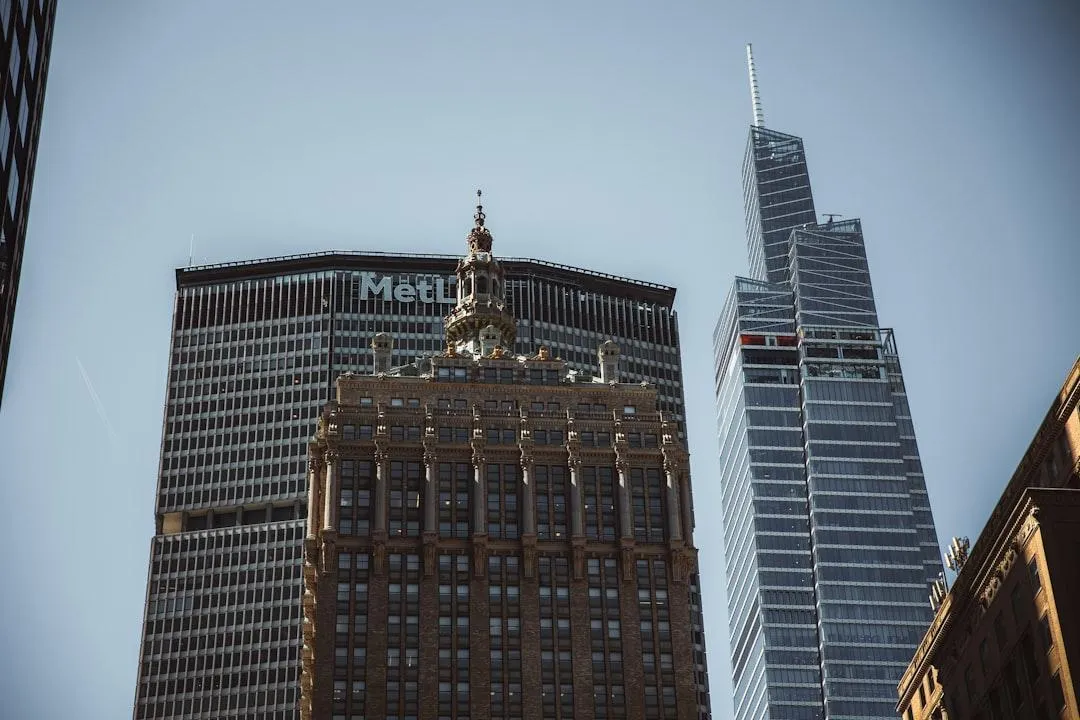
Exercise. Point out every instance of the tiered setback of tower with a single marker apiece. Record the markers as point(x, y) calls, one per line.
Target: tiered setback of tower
point(829, 539)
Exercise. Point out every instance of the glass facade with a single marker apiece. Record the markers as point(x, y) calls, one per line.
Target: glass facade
point(256, 349)
point(829, 539)
point(25, 39)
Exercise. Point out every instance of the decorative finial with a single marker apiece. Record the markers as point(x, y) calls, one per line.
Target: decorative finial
point(755, 97)
point(479, 216)
point(479, 238)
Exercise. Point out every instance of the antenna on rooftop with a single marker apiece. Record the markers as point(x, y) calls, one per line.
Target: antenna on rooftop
point(191, 251)
point(755, 96)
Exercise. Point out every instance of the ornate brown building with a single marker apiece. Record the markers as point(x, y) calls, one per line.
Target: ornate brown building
point(496, 536)
point(1005, 640)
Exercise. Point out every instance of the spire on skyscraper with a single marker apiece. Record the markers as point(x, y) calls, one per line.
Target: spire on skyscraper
point(755, 96)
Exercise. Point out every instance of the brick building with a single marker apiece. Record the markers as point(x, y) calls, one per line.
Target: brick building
point(1005, 639)
point(492, 535)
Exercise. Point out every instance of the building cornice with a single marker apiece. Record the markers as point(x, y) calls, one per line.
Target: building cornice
point(434, 263)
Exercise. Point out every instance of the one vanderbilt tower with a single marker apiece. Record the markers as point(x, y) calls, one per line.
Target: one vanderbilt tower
point(830, 544)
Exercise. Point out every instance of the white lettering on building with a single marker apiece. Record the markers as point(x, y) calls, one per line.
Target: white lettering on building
point(406, 292)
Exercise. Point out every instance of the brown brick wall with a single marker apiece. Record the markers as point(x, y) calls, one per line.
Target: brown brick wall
point(630, 622)
point(376, 637)
point(581, 647)
point(429, 635)
point(682, 641)
point(530, 645)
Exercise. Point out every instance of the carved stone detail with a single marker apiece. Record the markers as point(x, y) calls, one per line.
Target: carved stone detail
point(528, 556)
point(629, 567)
point(682, 564)
point(578, 551)
point(430, 558)
point(378, 557)
point(480, 558)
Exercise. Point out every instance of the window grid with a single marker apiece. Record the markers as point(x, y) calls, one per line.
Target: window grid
point(605, 639)
point(504, 628)
point(405, 509)
point(454, 637)
point(551, 484)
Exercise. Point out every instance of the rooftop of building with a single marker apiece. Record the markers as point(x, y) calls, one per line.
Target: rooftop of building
point(419, 262)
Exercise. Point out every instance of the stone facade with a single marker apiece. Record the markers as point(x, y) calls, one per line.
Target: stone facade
point(641, 441)
point(1003, 642)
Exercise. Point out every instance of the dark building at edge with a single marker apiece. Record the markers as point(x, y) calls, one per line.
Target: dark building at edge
point(1003, 642)
point(26, 28)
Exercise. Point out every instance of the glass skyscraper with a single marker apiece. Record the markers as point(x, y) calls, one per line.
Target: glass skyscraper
point(256, 348)
point(829, 540)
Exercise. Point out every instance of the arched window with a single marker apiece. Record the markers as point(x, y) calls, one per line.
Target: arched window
point(481, 284)
point(468, 288)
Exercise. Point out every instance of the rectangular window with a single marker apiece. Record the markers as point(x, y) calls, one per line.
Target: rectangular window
point(502, 501)
point(1047, 633)
point(24, 114)
point(1033, 571)
point(1000, 632)
point(551, 514)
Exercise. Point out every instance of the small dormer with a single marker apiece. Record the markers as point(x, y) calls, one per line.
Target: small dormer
point(608, 353)
point(382, 348)
point(489, 340)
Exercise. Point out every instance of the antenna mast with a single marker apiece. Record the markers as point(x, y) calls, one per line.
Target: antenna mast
point(755, 97)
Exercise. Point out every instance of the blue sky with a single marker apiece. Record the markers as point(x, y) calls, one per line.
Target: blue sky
point(607, 135)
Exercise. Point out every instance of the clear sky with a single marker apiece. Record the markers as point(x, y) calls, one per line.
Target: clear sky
point(606, 135)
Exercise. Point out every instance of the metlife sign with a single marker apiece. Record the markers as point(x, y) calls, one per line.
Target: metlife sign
point(440, 291)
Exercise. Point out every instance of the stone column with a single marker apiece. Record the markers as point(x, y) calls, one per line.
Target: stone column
point(314, 494)
point(577, 520)
point(431, 491)
point(479, 492)
point(671, 474)
point(626, 516)
point(333, 467)
point(687, 509)
point(382, 471)
point(528, 493)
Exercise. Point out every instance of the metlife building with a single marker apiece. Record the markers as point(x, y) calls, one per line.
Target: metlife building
point(256, 348)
